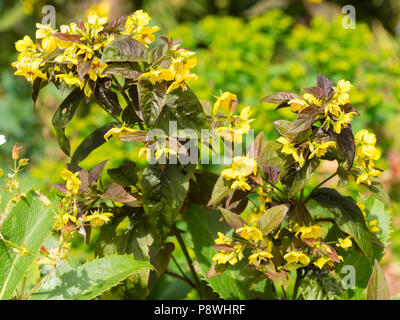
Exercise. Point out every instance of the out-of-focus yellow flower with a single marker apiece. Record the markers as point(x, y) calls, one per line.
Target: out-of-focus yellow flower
point(72, 181)
point(25, 44)
point(253, 217)
point(297, 257)
point(101, 9)
point(62, 220)
point(97, 219)
point(136, 27)
point(224, 102)
point(262, 196)
point(311, 232)
point(259, 256)
point(45, 32)
point(345, 243)
point(250, 233)
point(118, 133)
point(367, 174)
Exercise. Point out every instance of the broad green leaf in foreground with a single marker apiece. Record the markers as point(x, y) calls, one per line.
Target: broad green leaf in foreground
point(90, 279)
point(377, 286)
point(28, 224)
point(348, 217)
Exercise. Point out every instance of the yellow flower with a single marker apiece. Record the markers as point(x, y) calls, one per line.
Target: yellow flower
point(253, 217)
point(224, 102)
point(333, 109)
point(312, 232)
point(222, 239)
point(365, 145)
point(95, 25)
point(45, 32)
point(26, 44)
point(242, 184)
point(367, 174)
point(241, 167)
point(341, 90)
point(262, 196)
point(288, 148)
point(70, 79)
point(242, 123)
point(320, 149)
point(345, 243)
point(260, 256)
point(250, 233)
point(137, 20)
point(180, 80)
point(297, 257)
point(297, 104)
point(362, 208)
point(97, 219)
point(311, 99)
point(321, 262)
point(343, 121)
point(136, 27)
point(146, 35)
point(72, 181)
point(97, 69)
point(373, 225)
point(223, 257)
point(63, 220)
point(118, 133)
point(29, 68)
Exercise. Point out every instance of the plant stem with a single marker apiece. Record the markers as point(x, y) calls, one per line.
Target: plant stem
point(182, 272)
point(190, 262)
point(172, 274)
point(297, 284)
point(323, 182)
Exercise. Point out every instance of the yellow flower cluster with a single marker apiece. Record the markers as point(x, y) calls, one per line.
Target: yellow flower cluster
point(334, 108)
point(298, 104)
point(242, 167)
point(289, 148)
point(367, 153)
point(179, 71)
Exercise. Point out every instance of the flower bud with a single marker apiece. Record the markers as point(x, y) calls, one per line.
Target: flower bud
point(23, 162)
point(15, 152)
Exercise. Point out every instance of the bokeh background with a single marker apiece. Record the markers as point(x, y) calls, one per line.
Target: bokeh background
point(249, 47)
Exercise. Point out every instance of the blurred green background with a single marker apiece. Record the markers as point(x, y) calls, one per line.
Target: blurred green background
point(249, 47)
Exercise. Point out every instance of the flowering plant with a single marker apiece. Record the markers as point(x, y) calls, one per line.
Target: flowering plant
point(146, 212)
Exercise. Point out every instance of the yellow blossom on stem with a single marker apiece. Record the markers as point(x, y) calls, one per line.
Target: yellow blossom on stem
point(70, 79)
point(250, 233)
point(72, 181)
point(45, 32)
point(97, 219)
point(259, 256)
point(311, 232)
point(297, 257)
point(321, 262)
point(320, 149)
point(345, 243)
point(222, 239)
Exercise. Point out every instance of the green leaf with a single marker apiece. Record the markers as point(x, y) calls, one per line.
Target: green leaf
point(107, 98)
point(221, 189)
point(126, 175)
point(123, 49)
point(348, 217)
point(63, 115)
point(28, 224)
point(163, 194)
point(162, 258)
point(152, 99)
point(379, 193)
point(321, 285)
point(183, 107)
point(272, 218)
point(90, 279)
point(295, 180)
point(271, 154)
point(125, 70)
point(377, 286)
point(201, 186)
point(91, 142)
point(233, 219)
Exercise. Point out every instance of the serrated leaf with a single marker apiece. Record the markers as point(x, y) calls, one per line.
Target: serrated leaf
point(377, 286)
point(163, 194)
point(271, 154)
point(90, 279)
point(345, 145)
point(123, 49)
point(91, 142)
point(379, 193)
point(28, 224)
point(125, 70)
point(64, 115)
point(272, 218)
point(152, 99)
point(321, 285)
point(348, 217)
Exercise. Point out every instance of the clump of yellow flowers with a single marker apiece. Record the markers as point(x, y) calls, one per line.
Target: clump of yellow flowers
point(73, 55)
